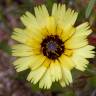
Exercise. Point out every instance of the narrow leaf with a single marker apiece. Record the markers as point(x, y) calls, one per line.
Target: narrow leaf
point(89, 8)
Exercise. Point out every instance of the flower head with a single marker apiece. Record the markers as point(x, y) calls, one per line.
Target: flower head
point(51, 46)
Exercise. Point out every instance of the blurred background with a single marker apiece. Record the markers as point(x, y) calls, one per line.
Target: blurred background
point(15, 84)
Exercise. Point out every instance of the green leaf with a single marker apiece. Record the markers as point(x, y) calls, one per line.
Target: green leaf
point(49, 4)
point(89, 8)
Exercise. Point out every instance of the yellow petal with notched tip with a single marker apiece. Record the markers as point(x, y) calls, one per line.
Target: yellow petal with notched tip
point(35, 75)
point(24, 50)
point(63, 16)
point(80, 62)
point(22, 63)
point(41, 13)
point(37, 61)
point(74, 43)
point(66, 77)
point(85, 52)
point(55, 71)
point(46, 81)
point(83, 30)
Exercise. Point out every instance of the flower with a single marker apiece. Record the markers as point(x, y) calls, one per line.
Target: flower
point(51, 46)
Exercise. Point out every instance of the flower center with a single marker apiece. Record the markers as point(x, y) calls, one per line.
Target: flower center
point(52, 47)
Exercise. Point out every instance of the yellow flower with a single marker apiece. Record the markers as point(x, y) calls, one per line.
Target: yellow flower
point(51, 46)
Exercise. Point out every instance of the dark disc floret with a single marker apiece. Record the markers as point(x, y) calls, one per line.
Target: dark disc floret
point(52, 47)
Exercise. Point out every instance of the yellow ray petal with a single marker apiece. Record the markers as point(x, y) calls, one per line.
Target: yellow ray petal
point(79, 38)
point(74, 42)
point(41, 14)
point(66, 77)
point(46, 81)
point(66, 62)
point(70, 16)
point(22, 36)
point(58, 11)
point(85, 52)
point(31, 62)
point(83, 29)
point(54, 10)
point(29, 20)
point(67, 33)
point(63, 16)
point(55, 71)
point(68, 53)
point(37, 61)
point(80, 62)
point(22, 63)
point(18, 34)
point(51, 25)
point(23, 50)
point(35, 75)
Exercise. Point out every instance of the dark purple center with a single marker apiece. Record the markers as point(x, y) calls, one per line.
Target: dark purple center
point(52, 47)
